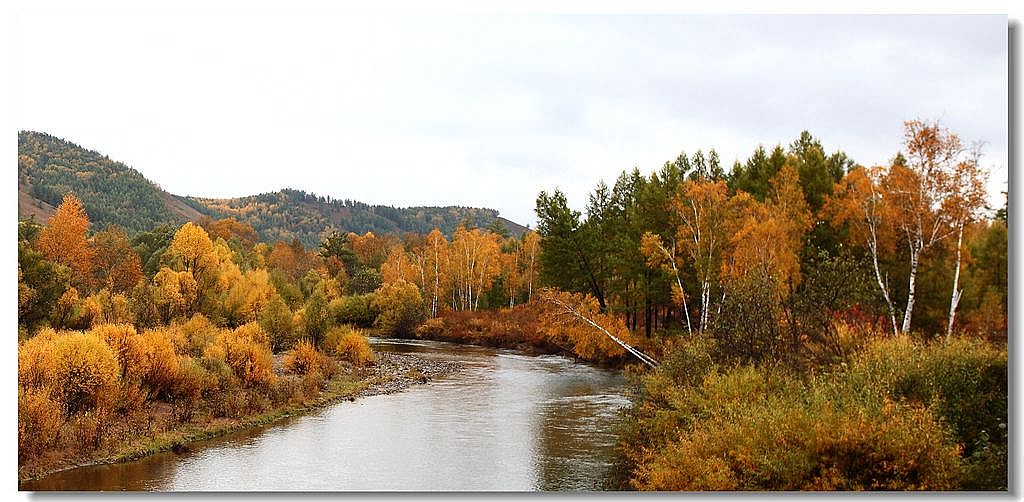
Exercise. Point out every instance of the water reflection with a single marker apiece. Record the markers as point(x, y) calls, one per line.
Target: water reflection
point(506, 422)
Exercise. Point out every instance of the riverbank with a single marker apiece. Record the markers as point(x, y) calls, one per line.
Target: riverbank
point(390, 373)
point(516, 328)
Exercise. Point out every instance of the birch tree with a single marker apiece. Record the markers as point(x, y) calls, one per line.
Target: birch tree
point(918, 193)
point(702, 209)
point(966, 200)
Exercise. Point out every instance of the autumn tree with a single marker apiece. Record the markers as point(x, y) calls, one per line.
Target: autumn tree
point(531, 261)
point(117, 265)
point(400, 308)
point(658, 254)
point(194, 253)
point(918, 192)
point(398, 266)
point(230, 228)
point(511, 269)
point(63, 239)
point(858, 202)
point(475, 265)
point(965, 201)
point(436, 268)
point(371, 249)
point(702, 209)
point(576, 320)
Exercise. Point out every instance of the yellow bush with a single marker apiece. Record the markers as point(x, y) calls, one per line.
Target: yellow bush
point(84, 369)
point(350, 345)
point(33, 359)
point(253, 333)
point(304, 358)
point(242, 350)
point(162, 361)
point(40, 418)
point(128, 346)
point(194, 335)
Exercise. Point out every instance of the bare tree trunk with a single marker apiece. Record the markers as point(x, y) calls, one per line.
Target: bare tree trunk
point(629, 348)
point(955, 298)
point(915, 256)
point(873, 244)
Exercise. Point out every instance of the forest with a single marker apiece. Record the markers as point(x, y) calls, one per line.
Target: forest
point(113, 193)
point(795, 322)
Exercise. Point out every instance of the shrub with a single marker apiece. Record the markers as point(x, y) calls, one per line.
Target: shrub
point(900, 415)
point(350, 345)
point(246, 351)
point(963, 382)
point(162, 367)
point(760, 429)
point(83, 369)
point(40, 418)
point(304, 358)
point(192, 381)
point(400, 308)
point(194, 335)
point(356, 310)
point(34, 359)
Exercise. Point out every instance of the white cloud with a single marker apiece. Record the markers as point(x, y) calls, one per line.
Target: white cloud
point(485, 110)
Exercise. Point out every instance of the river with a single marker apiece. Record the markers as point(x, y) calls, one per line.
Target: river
point(505, 422)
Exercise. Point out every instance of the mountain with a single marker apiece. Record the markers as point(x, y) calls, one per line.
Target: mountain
point(113, 193)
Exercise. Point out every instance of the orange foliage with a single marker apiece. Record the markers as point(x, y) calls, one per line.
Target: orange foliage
point(246, 350)
point(63, 239)
point(369, 248)
point(575, 321)
point(304, 359)
point(229, 227)
point(117, 266)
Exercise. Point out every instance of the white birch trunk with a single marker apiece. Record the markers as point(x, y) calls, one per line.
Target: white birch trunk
point(957, 292)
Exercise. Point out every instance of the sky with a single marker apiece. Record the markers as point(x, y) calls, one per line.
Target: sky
point(487, 111)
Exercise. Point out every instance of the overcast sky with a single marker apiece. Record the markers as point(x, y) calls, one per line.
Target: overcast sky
point(488, 111)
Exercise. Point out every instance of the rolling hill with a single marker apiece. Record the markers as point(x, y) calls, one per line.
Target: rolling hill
point(113, 193)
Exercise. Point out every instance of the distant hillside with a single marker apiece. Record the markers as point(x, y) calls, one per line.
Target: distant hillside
point(49, 168)
point(289, 214)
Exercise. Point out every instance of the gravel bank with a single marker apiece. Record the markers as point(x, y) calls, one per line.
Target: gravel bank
point(396, 372)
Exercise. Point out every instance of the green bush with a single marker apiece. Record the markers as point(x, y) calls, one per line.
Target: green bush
point(356, 310)
point(899, 415)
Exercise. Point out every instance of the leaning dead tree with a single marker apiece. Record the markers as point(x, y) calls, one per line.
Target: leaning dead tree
point(578, 320)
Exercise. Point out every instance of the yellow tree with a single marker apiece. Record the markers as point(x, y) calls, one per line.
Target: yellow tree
point(965, 201)
point(917, 192)
point(117, 265)
point(576, 319)
point(702, 208)
point(510, 262)
point(248, 296)
point(398, 266)
point(531, 260)
point(193, 249)
point(63, 239)
point(369, 248)
point(858, 201)
point(657, 254)
point(475, 256)
point(436, 268)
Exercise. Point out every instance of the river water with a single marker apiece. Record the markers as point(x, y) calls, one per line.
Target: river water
point(504, 422)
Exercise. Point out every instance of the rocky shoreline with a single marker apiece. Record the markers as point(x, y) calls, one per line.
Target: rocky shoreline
point(396, 372)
